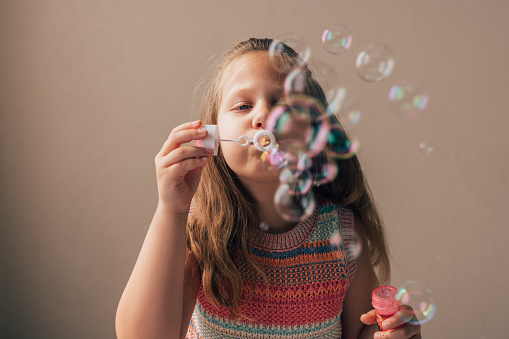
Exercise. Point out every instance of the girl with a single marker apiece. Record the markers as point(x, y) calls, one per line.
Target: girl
point(206, 270)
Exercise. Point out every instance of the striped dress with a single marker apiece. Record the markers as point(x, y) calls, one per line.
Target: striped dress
point(309, 270)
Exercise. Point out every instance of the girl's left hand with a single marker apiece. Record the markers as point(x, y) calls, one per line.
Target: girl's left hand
point(397, 326)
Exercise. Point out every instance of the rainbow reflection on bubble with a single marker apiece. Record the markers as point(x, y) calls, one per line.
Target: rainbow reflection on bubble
point(339, 145)
point(418, 296)
point(351, 117)
point(425, 147)
point(295, 82)
point(375, 63)
point(278, 50)
point(336, 39)
point(408, 99)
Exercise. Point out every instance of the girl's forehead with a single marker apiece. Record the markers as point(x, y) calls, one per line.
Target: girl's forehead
point(250, 64)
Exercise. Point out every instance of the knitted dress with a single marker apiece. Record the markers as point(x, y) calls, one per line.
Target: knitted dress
point(309, 270)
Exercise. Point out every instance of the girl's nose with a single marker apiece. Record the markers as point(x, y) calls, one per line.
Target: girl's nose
point(260, 117)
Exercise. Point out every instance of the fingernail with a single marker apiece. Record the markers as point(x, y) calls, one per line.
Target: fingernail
point(209, 150)
point(195, 123)
point(202, 130)
point(387, 325)
point(377, 336)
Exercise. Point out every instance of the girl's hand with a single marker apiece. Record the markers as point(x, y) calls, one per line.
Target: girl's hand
point(179, 168)
point(397, 326)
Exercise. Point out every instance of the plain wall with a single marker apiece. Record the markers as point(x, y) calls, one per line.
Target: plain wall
point(89, 91)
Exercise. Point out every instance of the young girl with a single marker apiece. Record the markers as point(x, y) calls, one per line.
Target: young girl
point(206, 270)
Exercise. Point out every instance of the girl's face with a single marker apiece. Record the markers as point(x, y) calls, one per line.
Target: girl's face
point(250, 88)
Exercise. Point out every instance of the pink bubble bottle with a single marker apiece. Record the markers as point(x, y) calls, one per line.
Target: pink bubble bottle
point(385, 303)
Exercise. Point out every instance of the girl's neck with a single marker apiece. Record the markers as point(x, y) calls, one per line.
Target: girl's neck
point(264, 196)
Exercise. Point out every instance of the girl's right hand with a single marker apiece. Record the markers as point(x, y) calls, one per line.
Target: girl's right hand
point(179, 168)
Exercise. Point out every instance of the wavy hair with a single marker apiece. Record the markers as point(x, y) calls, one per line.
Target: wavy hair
point(224, 218)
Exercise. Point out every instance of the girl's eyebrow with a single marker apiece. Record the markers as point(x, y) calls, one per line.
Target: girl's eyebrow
point(248, 89)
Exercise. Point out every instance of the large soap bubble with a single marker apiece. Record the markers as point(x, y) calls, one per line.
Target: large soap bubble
point(418, 296)
point(375, 63)
point(336, 39)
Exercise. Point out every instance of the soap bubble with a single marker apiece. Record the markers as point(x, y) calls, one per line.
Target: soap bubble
point(356, 247)
point(335, 240)
point(375, 63)
point(337, 39)
point(293, 207)
point(335, 100)
point(302, 118)
point(299, 182)
point(277, 52)
point(425, 147)
point(350, 117)
point(416, 295)
point(408, 99)
point(324, 169)
point(304, 162)
point(302, 184)
point(328, 78)
point(290, 151)
point(295, 82)
point(263, 226)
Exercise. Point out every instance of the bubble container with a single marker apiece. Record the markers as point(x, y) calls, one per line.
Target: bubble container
point(385, 303)
point(211, 141)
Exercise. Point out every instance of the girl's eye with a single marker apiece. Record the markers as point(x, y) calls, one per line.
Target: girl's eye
point(243, 107)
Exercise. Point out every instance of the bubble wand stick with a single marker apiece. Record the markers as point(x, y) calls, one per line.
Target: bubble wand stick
point(263, 140)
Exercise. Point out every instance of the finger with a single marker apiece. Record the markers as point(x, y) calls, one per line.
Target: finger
point(183, 167)
point(369, 318)
point(183, 153)
point(405, 331)
point(182, 134)
point(404, 315)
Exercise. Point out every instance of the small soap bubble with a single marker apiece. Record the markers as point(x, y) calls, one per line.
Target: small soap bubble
point(292, 207)
point(302, 183)
point(425, 147)
point(324, 170)
point(304, 162)
point(408, 99)
point(295, 82)
point(263, 226)
point(299, 182)
point(356, 247)
point(290, 151)
point(335, 100)
point(337, 39)
point(278, 49)
point(335, 240)
point(375, 63)
point(286, 176)
point(418, 296)
point(351, 117)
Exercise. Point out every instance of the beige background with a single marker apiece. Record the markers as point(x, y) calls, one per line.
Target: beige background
point(89, 90)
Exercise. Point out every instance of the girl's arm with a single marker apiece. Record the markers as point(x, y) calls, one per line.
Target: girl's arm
point(357, 303)
point(358, 297)
point(162, 290)
point(153, 300)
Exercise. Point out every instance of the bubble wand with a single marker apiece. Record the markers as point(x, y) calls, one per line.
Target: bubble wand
point(263, 140)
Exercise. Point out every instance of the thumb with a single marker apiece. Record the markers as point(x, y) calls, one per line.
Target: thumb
point(369, 318)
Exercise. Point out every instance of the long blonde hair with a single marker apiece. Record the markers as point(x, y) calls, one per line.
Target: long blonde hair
point(225, 218)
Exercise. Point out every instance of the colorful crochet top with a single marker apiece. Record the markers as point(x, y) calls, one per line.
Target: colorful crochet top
point(309, 270)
